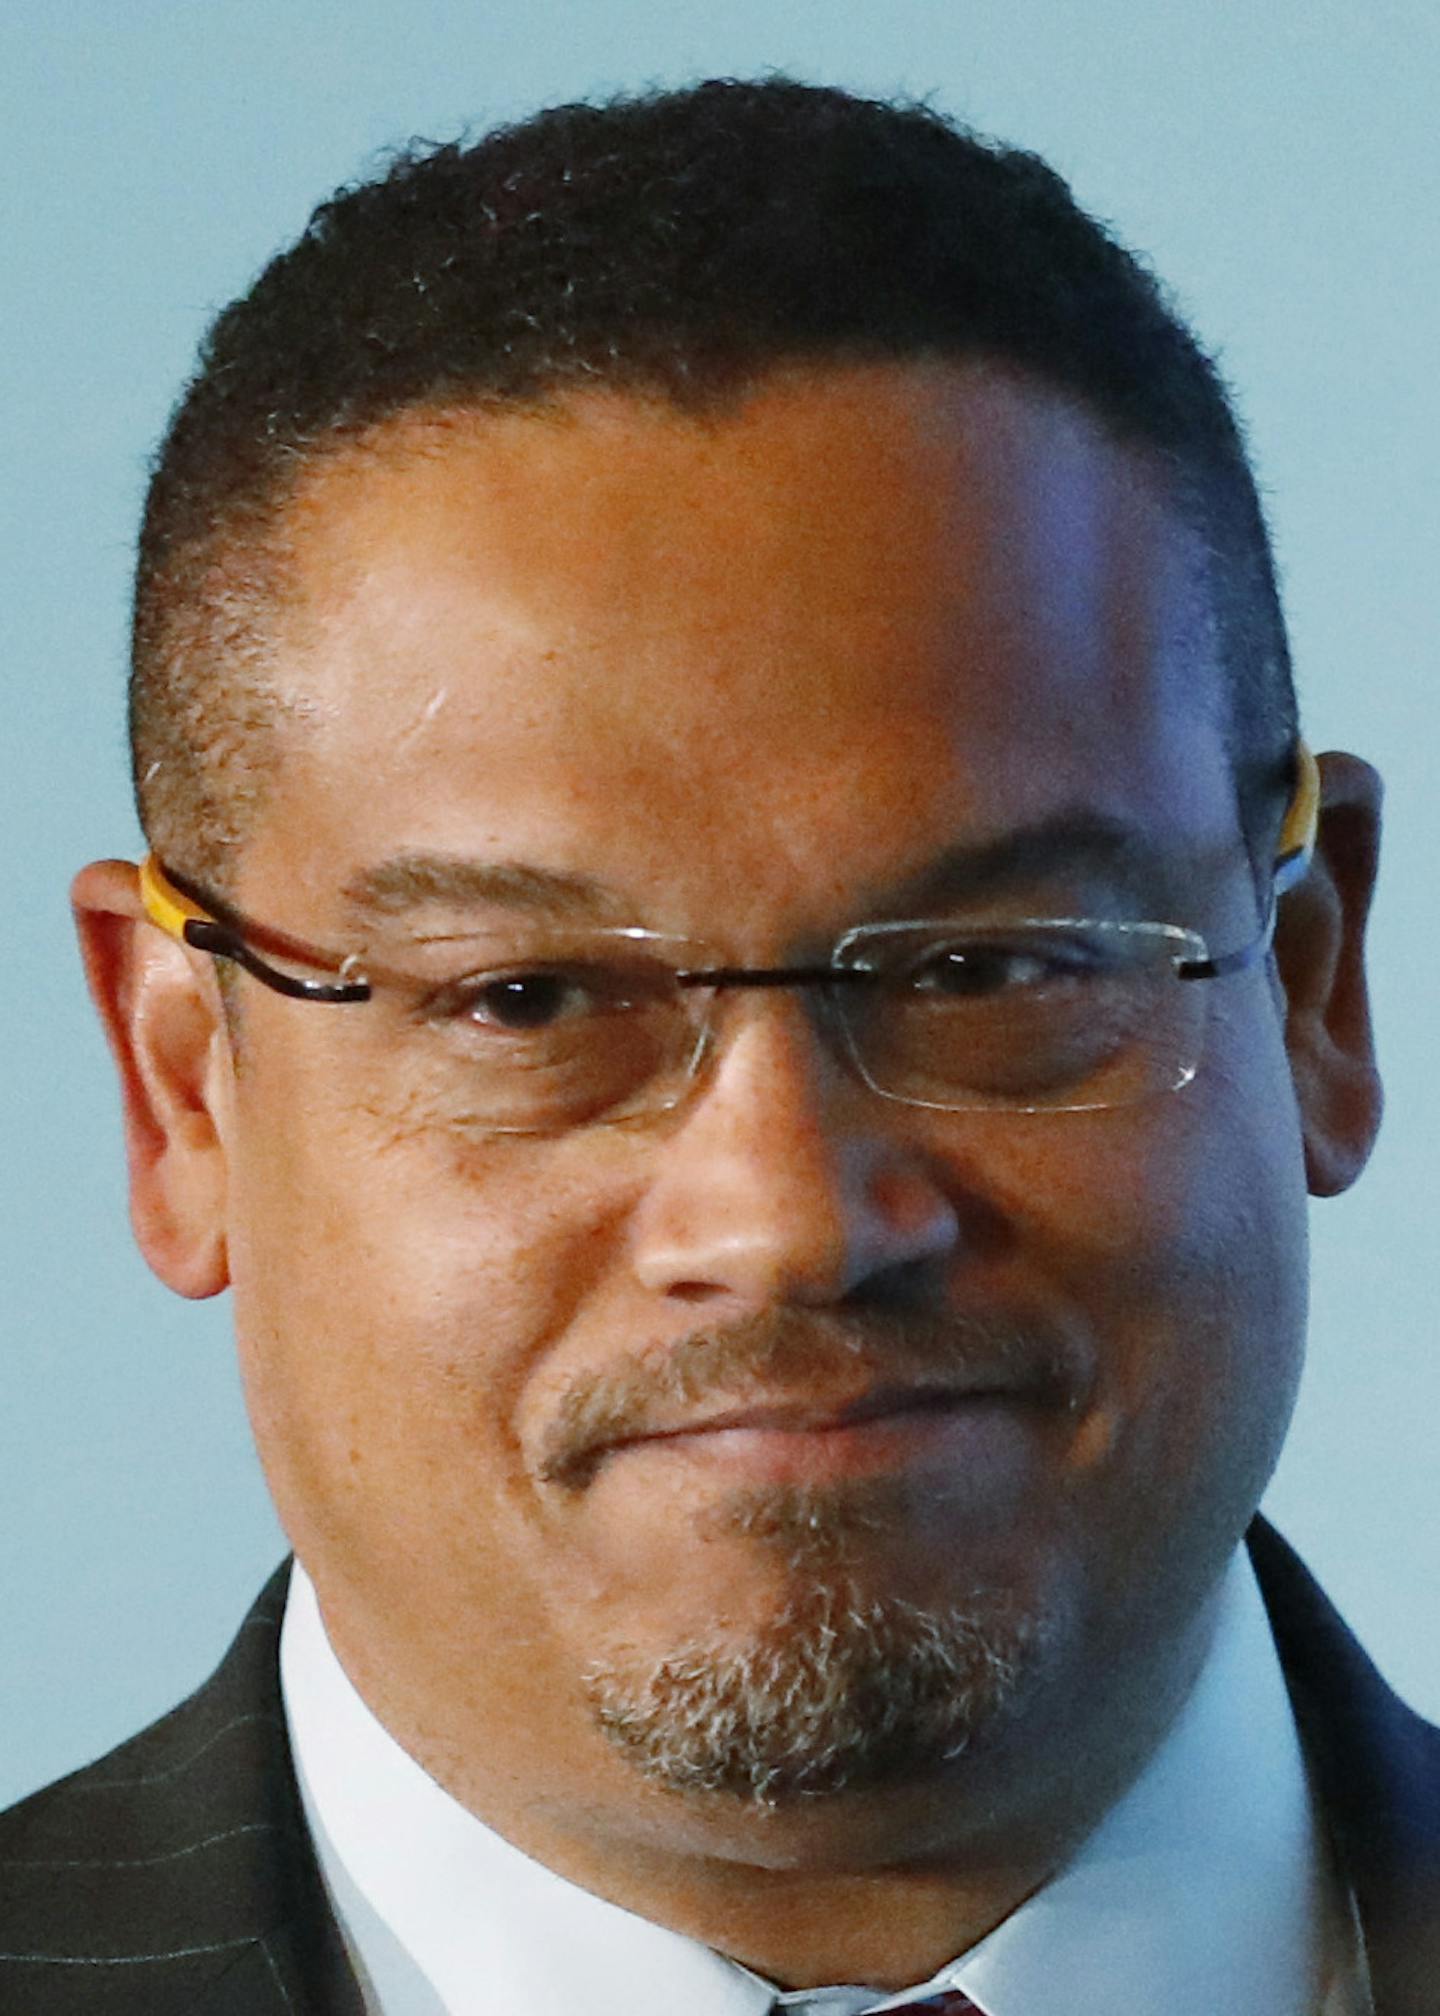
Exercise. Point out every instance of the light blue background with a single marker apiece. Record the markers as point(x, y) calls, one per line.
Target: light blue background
point(1279, 164)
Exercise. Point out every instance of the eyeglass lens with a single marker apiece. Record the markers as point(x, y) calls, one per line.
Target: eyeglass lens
point(1051, 1016)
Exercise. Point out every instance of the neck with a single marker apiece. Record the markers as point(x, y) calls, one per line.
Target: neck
point(880, 1891)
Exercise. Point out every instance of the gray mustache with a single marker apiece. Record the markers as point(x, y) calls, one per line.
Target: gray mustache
point(799, 1352)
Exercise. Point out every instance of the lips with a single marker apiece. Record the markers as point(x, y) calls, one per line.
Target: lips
point(977, 1432)
point(980, 1441)
point(808, 1416)
point(811, 1381)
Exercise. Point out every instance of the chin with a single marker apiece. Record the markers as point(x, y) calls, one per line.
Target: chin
point(842, 1691)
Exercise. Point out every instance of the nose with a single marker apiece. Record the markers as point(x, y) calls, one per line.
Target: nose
point(784, 1180)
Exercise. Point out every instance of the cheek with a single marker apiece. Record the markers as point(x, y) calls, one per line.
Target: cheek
point(1179, 1229)
point(395, 1285)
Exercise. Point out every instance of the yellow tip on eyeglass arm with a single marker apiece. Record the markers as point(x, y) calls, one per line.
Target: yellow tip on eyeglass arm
point(1302, 819)
point(165, 905)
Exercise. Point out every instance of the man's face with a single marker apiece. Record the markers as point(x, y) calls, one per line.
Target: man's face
point(754, 682)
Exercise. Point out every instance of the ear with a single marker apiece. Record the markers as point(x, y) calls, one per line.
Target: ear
point(166, 1029)
point(1320, 954)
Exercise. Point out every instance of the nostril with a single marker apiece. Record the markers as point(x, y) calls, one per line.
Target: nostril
point(693, 1291)
point(909, 1201)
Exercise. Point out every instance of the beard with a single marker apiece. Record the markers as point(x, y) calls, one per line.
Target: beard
point(846, 1685)
point(841, 1690)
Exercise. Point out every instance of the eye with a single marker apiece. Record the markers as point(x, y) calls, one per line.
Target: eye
point(551, 996)
point(523, 1001)
point(974, 970)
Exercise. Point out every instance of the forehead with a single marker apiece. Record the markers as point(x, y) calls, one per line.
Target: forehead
point(861, 614)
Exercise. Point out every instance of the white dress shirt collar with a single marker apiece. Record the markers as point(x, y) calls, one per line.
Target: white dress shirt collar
point(1204, 1888)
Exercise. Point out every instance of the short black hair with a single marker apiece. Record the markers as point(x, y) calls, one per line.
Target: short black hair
point(677, 244)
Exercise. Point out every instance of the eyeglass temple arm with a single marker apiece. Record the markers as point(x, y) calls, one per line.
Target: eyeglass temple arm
point(1293, 854)
point(1296, 845)
point(170, 905)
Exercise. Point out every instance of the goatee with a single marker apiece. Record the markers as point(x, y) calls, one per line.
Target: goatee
point(841, 1690)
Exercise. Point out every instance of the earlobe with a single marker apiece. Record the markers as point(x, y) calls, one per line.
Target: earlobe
point(167, 1036)
point(1320, 954)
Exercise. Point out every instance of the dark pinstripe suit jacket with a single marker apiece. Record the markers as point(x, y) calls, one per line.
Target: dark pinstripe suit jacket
point(175, 1875)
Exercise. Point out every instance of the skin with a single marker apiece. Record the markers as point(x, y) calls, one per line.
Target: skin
point(756, 675)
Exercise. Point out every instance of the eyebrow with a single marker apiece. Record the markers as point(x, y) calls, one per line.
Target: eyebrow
point(1074, 842)
point(409, 882)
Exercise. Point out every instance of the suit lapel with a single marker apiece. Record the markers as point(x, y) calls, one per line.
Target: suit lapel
point(176, 1874)
point(1376, 1768)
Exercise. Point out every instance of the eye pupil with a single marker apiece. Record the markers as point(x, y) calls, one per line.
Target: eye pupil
point(528, 1002)
point(961, 970)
